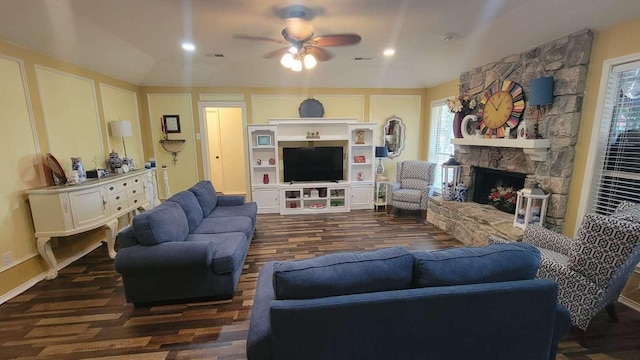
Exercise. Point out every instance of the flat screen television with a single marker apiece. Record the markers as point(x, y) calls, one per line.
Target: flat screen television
point(313, 163)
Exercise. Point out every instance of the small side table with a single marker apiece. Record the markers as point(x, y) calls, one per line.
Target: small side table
point(380, 195)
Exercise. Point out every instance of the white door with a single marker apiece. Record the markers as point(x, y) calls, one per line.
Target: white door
point(225, 143)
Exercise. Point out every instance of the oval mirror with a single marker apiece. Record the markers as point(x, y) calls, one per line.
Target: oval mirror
point(394, 136)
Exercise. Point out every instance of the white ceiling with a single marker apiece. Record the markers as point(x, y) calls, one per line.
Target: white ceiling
point(138, 41)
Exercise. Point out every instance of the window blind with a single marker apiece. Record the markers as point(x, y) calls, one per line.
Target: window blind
point(440, 147)
point(617, 170)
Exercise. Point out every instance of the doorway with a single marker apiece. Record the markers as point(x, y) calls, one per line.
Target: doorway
point(223, 146)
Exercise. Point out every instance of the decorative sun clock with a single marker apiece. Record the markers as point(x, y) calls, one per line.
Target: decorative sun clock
point(501, 108)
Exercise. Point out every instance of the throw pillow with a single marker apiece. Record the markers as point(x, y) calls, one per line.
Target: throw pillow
point(474, 265)
point(343, 274)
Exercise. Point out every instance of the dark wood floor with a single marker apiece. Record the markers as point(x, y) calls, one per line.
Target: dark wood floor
point(82, 314)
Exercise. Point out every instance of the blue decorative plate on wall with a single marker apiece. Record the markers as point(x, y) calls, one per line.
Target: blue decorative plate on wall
point(311, 108)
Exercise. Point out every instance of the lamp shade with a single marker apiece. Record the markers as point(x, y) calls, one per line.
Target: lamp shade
point(121, 128)
point(382, 152)
point(541, 91)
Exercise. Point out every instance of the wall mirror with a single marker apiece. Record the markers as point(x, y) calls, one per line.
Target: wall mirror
point(394, 136)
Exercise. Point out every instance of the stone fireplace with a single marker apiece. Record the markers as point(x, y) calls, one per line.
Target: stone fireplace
point(567, 60)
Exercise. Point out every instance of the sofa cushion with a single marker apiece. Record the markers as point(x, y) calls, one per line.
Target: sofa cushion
point(225, 225)
point(206, 195)
point(602, 246)
point(249, 209)
point(343, 273)
point(189, 204)
point(166, 222)
point(472, 265)
point(229, 250)
point(127, 237)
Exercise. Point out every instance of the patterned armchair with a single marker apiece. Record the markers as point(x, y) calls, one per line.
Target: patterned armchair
point(414, 179)
point(591, 269)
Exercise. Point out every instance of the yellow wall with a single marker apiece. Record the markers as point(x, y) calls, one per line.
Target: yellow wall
point(46, 105)
point(619, 40)
point(120, 104)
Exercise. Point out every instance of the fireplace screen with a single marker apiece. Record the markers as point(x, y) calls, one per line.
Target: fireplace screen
point(487, 179)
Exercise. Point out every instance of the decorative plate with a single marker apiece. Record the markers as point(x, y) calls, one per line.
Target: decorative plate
point(310, 108)
point(56, 170)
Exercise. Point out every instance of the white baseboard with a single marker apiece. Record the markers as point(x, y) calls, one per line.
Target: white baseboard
point(630, 303)
point(32, 282)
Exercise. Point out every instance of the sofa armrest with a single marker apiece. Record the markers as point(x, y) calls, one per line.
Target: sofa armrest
point(230, 200)
point(544, 238)
point(196, 255)
point(259, 341)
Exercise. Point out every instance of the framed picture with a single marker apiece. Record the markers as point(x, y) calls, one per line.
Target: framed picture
point(359, 159)
point(359, 136)
point(263, 140)
point(171, 123)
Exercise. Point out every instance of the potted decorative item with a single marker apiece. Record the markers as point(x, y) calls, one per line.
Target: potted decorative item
point(503, 199)
point(461, 106)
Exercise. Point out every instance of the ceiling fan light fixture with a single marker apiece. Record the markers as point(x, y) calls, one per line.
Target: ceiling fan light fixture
point(287, 60)
point(310, 61)
point(296, 65)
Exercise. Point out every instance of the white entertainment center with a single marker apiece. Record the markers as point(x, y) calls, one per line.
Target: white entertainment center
point(353, 191)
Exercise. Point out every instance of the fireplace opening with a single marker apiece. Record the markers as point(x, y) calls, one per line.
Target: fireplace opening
point(487, 179)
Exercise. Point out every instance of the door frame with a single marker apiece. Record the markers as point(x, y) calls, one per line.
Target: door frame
point(204, 140)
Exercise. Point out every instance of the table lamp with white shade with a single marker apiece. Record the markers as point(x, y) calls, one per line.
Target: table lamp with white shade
point(122, 128)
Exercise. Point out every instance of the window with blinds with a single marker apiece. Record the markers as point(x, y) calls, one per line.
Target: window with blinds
point(617, 163)
point(440, 147)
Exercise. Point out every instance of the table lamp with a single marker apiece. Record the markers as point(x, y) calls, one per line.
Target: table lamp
point(540, 94)
point(121, 128)
point(381, 152)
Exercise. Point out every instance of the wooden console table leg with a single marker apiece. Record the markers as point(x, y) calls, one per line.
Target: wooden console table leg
point(44, 248)
point(110, 231)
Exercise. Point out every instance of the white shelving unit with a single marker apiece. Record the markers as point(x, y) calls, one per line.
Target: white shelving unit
point(354, 192)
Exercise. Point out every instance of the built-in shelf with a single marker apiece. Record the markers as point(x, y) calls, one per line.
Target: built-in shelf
point(535, 149)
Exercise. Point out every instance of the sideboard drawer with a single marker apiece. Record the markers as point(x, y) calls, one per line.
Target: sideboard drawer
point(117, 197)
point(136, 200)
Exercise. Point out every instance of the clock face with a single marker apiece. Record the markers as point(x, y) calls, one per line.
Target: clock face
point(497, 109)
point(501, 108)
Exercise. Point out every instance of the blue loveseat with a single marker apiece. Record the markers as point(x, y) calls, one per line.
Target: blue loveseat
point(191, 246)
point(461, 303)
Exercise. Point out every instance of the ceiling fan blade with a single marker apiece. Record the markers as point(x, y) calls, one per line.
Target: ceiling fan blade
point(336, 40)
point(261, 38)
point(320, 54)
point(276, 53)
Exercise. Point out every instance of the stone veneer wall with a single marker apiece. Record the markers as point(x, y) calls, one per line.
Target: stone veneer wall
point(567, 60)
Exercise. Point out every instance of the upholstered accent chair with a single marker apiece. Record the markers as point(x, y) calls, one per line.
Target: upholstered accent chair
point(591, 269)
point(414, 179)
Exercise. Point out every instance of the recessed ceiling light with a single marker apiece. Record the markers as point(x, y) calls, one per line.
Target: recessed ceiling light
point(389, 52)
point(187, 46)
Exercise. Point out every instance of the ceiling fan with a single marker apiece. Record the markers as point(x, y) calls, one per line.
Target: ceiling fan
point(302, 47)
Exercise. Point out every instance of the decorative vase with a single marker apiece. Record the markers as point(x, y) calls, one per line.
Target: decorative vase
point(457, 125)
point(76, 165)
point(265, 178)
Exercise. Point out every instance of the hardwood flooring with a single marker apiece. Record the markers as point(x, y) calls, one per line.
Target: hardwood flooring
point(82, 313)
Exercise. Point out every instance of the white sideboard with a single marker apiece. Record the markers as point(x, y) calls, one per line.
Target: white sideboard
point(72, 209)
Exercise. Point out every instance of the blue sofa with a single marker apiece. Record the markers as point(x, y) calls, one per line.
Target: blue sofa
point(461, 303)
point(192, 246)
